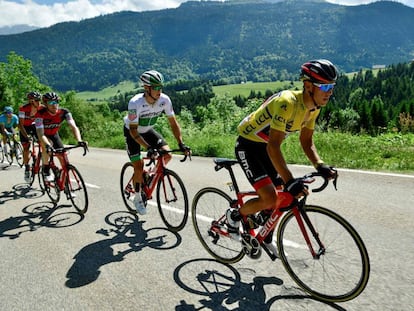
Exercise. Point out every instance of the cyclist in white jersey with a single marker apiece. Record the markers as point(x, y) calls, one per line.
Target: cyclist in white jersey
point(143, 112)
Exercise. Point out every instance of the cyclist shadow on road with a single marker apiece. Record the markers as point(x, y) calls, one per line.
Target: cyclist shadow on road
point(37, 215)
point(225, 291)
point(20, 191)
point(126, 233)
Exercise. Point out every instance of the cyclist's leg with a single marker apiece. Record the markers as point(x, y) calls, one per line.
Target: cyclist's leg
point(259, 170)
point(134, 154)
point(26, 148)
point(57, 144)
point(156, 141)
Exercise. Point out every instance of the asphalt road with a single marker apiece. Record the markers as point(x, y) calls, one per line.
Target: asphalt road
point(53, 259)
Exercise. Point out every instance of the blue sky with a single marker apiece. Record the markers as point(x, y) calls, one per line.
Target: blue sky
point(43, 13)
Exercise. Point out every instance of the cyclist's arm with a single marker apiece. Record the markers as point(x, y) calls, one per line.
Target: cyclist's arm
point(75, 130)
point(308, 146)
point(21, 126)
point(133, 131)
point(175, 127)
point(274, 144)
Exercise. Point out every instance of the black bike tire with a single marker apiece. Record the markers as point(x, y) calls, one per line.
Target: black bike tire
point(52, 192)
point(351, 293)
point(128, 203)
point(1, 153)
point(9, 154)
point(18, 150)
point(81, 209)
point(215, 207)
point(163, 209)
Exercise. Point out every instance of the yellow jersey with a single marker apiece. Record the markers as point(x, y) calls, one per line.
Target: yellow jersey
point(283, 111)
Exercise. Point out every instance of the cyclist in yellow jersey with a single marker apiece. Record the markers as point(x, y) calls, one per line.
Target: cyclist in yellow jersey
point(258, 147)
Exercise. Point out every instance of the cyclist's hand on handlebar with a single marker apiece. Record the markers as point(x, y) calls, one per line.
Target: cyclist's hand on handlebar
point(326, 171)
point(83, 144)
point(296, 187)
point(49, 149)
point(184, 148)
point(151, 153)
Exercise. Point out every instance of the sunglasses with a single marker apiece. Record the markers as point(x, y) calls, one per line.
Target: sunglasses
point(53, 103)
point(157, 88)
point(324, 87)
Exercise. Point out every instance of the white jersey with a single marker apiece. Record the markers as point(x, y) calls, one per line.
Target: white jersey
point(144, 114)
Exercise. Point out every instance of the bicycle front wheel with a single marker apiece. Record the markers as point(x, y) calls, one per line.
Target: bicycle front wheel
point(127, 186)
point(18, 153)
point(51, 187)
point(172, 201)
point(76, 190)
point(207, 213)
point(9, 154)
point(1, 154)
point(340, 269)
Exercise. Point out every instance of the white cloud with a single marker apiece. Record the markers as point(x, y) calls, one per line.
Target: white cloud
point(31, 13)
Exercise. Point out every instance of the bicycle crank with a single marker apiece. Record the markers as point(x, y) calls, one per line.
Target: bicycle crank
point(251, 246)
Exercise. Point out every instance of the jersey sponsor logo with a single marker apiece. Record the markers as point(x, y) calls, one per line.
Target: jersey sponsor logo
point(263, 117)
point(132, 114)
point(39, 122)
point(245, 164)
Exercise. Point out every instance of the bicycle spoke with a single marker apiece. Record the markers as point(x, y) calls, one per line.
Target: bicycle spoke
point(207, 212)
point(76, 190)
point(341, 271)
point(127, 186)
point(172, 201)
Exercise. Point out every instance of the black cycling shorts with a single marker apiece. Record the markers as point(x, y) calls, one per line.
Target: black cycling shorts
point(152, 137)
point(256, 164)
point(30, 130)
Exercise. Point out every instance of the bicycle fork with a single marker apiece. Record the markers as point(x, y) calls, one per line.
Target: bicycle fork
point(302, 219)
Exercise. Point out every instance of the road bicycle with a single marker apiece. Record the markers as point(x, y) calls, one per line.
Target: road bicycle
point(66, 178)
point(171, 195)
point(14, 150)
point(36, 162)
point(319, 249)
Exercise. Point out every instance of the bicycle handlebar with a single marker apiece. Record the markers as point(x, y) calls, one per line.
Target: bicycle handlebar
point(64, 149)
point(309, 178)
point(161, 152)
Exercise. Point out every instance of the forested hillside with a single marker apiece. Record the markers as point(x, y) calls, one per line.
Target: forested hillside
point(223, 42)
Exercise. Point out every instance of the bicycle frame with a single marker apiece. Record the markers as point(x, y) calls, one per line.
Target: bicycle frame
point(36, 155)
point(285, 202)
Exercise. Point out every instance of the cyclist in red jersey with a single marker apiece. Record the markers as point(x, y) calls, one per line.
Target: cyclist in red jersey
point(27, 127)
point(261, 134)
point(48, 122)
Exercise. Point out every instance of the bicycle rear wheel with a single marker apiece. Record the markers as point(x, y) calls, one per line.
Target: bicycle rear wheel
point(172, 201)
point(127, 186)
point(340, 272)
point(207, 213)
point(51, 187)
point(76, 190)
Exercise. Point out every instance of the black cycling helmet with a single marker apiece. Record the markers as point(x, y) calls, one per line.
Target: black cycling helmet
point(319, 71)
point(152, 78)
point(50, 96)
point(34, 95)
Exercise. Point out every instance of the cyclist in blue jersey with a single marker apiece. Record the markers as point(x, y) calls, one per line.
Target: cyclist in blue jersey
point(8, 122)
point(143, 112)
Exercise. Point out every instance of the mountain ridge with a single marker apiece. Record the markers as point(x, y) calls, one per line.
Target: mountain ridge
point(224, 42)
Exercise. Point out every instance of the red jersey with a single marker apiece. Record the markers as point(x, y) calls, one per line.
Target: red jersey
point(51, 123)
point(25, 112)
